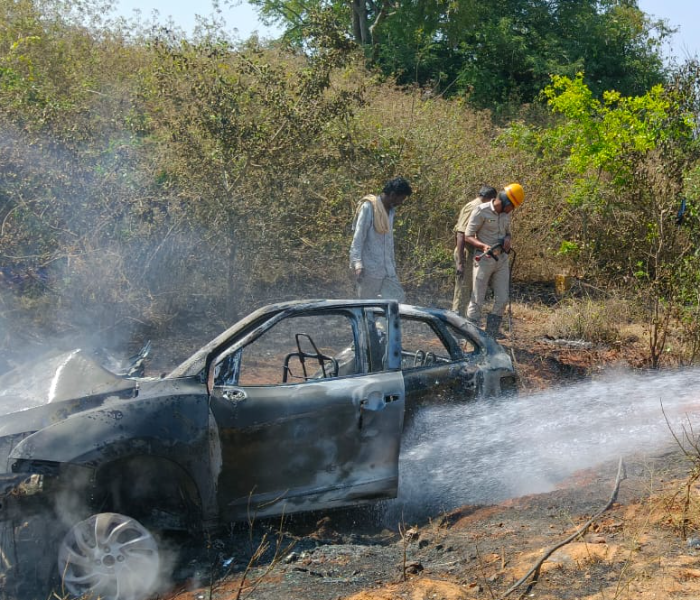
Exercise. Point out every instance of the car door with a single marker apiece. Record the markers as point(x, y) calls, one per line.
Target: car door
point(303, 421)
point(435, 369)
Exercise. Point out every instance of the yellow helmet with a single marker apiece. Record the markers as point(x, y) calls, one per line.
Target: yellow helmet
point(515, 194)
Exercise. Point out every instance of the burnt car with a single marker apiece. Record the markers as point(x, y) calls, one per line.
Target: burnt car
point(298, 407)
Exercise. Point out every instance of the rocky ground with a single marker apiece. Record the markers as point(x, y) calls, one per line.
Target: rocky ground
point(644, 545)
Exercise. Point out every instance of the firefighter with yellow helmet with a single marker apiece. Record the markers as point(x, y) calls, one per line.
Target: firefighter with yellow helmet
point(489, 232)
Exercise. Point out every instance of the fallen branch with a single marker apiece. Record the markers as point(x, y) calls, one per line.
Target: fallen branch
point(621, 475)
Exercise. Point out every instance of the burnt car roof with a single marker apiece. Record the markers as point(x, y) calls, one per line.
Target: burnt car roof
point(58, 375)
point(197, 361)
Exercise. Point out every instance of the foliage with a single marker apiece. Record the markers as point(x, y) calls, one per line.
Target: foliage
point(238, 129)
point(623, 162)
point(64, 197)
point(495, 53)
point(147, 178)
point(609, 135)
point(609, 150)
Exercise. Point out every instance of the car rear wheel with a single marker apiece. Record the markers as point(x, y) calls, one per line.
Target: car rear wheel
point(109, 556)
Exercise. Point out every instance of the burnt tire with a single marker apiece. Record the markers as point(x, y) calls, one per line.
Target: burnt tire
point(109, 556)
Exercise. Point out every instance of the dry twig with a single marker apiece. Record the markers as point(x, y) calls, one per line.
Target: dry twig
point(579, 532)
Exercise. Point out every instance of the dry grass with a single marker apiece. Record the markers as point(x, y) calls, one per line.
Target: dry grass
point(588, 320)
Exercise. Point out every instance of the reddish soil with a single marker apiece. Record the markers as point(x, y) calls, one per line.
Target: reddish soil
point(644, 546)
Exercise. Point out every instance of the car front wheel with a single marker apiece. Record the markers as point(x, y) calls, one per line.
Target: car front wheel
point(109, 556)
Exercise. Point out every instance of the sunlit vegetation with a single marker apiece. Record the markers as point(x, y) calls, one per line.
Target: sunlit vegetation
point(146, 176)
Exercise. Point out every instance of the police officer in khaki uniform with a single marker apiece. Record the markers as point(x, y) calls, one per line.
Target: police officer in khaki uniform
point(464, 264)
point(488, 231)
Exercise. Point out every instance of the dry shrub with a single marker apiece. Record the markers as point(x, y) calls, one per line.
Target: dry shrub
point(683, 507)
point(585, 319)
point(531, 312)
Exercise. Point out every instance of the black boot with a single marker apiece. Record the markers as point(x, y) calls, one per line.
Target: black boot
point(493, 326)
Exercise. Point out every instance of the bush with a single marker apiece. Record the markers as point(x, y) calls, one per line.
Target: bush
point(588, 320)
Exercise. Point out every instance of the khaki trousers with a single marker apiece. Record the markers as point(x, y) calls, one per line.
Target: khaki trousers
point(497, 274)
point(463, 283)
point(380, 287)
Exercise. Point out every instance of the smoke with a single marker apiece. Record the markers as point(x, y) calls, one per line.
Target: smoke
point(96, 255)
point(91, 256)
point(489, 451)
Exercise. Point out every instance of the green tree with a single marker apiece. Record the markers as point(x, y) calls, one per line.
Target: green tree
point(610, 149)
point(496, 52)
point(624, 160)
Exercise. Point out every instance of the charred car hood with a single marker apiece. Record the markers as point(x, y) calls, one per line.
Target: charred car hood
point(57, 377)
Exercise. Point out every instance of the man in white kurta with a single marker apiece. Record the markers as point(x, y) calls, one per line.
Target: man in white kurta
point(372, 249)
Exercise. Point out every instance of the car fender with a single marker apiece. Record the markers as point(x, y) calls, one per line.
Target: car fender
point(173, 427)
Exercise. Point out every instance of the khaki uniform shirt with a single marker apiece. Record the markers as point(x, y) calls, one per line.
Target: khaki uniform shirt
point(464, 215)
point(487, 225)
point(462, 222)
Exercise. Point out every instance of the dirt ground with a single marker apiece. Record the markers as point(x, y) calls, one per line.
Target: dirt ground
point(633, 550)
point(645, 545)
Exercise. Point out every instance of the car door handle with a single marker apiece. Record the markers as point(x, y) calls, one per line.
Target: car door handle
point(234, 395)
point(375, 402)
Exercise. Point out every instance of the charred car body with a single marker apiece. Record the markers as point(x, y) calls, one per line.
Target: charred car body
point(300, 406)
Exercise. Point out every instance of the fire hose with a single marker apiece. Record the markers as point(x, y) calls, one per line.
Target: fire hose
point(512, 253)
point(516, 367)
point(494, 252)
